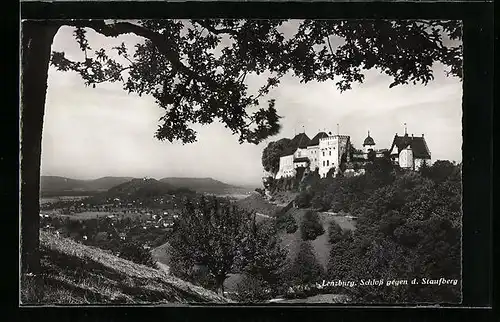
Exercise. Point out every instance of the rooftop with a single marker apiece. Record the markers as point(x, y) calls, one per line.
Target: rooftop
point(315, 140)
point(369, 140)
point(300, 140)
point(416, 143)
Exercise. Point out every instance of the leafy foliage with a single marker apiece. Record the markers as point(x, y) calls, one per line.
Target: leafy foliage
point(214, 238)
point(311, 227)
point(272, 153)
point(286, 221)
point(305, 268)
point(251, 290)
point(407, 228)
point(209, 234)
point(135, 252)
point(439, 171)
point(335, 233)
point(303, 199)
point(262, 256)
point(348, 193)
point(196, 70)
point(341, 260)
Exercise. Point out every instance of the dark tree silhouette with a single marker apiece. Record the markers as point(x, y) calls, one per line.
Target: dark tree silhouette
point(210, 234)
point(306, 269)
point(177, 66)
point(311, 226)
point(272, 153)
point(261, 254)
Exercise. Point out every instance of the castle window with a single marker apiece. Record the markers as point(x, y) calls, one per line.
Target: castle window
point(323, 153)
point(327, 163)
point(330, 152)
point(323, 163)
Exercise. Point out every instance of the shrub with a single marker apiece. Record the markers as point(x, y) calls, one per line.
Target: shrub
point(252, 290)
point(311, 226)
point(320, 202)
point(136, 253)
point(303, 199)
point(291, 225)
point(260, 191)
point(286, 222)
point(335, 233)
point(305, 268)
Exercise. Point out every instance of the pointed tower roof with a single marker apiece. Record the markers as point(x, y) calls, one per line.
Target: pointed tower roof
point(369, 140)
point(315, 140)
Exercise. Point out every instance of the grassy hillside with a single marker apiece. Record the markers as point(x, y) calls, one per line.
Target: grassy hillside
point(202, 185)
point(283, 198)
point(256, 203)
point(320, 245)
point(77, 274)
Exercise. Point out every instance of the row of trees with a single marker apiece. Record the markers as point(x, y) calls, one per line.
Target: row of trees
point(408, 228)
point(345, 193)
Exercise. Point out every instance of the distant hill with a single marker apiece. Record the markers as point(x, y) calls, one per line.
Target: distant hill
point(202, 185)
point(140, 188)
point(59, 186)
point(55, 185)
point(106, 183)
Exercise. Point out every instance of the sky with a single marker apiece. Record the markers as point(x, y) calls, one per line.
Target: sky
point(94, 132)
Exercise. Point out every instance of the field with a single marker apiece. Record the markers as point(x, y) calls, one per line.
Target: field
point(44, 200)
point(87, 215)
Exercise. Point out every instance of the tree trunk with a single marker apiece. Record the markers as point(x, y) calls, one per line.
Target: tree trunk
point(220, 284)
point(37, 40)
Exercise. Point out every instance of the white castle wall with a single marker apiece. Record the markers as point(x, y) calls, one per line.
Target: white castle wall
point(286, 167)
point(313, 154)
point(328, 154)
point(406, 158)
point(330, 151)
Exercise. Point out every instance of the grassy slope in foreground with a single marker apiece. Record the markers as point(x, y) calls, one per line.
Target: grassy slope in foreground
point(77, 274)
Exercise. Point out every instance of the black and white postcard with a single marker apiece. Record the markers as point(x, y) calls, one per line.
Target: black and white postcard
point(241, 161)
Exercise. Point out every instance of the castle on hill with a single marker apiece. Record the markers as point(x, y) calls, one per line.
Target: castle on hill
point(327, 151)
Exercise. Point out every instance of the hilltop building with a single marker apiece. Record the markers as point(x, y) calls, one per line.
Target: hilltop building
point(409, 152)
point(323, 152)
point(326, 151)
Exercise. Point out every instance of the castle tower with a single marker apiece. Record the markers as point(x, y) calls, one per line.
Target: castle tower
point(369, 143)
